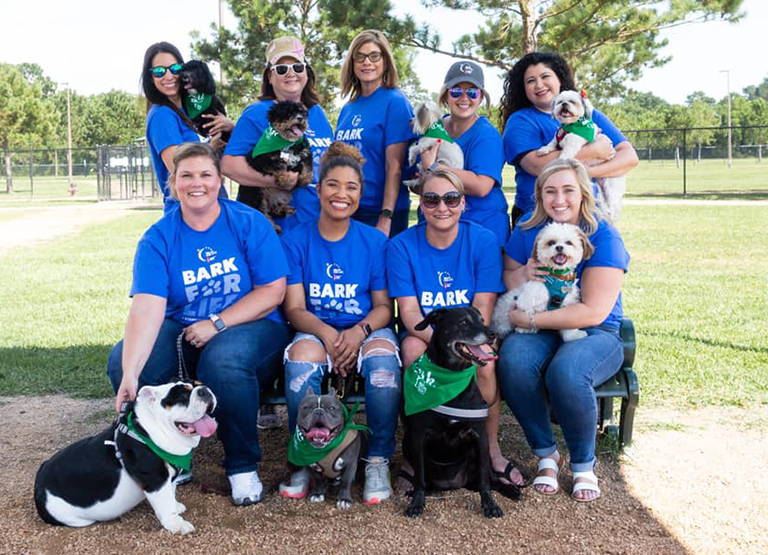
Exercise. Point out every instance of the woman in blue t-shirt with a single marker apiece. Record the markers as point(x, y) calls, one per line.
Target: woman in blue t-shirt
point(167, 124)
point(525, 114)
point(376, 121)
point(207, 279)
point(446, 262)
point(462, 93)
point(287, 76)
point(539, 369)
point(338, 303)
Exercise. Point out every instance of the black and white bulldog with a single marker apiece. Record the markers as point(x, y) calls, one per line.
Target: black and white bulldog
point(104, 476)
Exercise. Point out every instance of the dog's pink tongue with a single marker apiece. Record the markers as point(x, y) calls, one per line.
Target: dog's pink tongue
point(480, 353)
point(297, 131)
point(206, 426)
point(560, 258)
point(319, 433)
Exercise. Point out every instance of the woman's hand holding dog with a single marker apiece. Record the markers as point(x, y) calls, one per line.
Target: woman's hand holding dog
point(129, 385)
point(217, 124)
point(600, 150)
point(429, 156)
point(531, 271)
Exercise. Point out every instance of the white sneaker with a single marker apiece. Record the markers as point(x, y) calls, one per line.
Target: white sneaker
point(377, 487)
point(298, 486)
point(246, 488)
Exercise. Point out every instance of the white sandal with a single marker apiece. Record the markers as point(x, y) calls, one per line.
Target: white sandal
point(588, 482)
point(546, 463)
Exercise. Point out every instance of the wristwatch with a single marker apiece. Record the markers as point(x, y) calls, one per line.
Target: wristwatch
point(386, 212)
point(366, 328)
point(218, 322)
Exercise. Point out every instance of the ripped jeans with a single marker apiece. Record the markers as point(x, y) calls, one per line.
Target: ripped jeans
point(382, 375)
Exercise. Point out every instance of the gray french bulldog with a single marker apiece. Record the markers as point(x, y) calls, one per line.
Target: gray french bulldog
point(320, 420)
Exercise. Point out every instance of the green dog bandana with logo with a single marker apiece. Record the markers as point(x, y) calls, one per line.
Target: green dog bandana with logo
point(427, 385)
point(437, 131)
point(583, 127)
point(180, 461)
point(196, 104)
point(271, 141)
point(301, 452)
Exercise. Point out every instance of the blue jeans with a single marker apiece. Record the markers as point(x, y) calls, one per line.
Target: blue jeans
point(233, 364)
point(532, 366)
point(371, 218)
point(382, 375)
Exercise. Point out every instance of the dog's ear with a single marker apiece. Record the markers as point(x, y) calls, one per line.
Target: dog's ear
point(554, 105)
point(432, 318)
point(535, 251)
point(146, 394)
point(588, 108)
point(588, 248)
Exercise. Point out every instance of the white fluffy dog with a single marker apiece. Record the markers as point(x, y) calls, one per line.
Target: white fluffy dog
point(574, 112)
point(559, 248)
point(428, 124)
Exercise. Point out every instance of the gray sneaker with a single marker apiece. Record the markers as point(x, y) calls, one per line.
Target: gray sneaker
point(298, 486)
point(377, 487)
point(268, 419)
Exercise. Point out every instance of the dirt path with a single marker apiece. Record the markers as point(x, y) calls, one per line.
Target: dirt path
point(39, 224)
point(694, 482)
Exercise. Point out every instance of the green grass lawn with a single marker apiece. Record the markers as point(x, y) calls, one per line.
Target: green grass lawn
point(696, 291)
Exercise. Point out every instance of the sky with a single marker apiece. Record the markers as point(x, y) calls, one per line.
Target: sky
point(97, 45)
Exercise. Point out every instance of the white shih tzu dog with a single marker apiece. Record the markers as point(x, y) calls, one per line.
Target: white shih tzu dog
point(574, 112)
point(428, 124)
point(559, 248)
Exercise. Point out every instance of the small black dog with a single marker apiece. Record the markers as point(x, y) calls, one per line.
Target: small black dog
point(282, 148)
point(198, 91)
point(447, 446)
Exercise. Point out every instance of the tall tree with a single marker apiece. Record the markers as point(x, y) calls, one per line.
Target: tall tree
point(326, 27)
point(607, 42)
point(26, 118)
point(757, 91)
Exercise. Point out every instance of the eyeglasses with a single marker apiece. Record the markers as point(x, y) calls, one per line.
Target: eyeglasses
point(282, 69)
point(374, 56)
point(159, 71)
point(456, 92)
point(432, 200)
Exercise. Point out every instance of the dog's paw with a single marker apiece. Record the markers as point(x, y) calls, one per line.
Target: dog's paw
point(416, 508)
point(572, 335)
point(490, 508)
point(317, 497)
point(177, 525)
point(343, 504)
point(180, 508)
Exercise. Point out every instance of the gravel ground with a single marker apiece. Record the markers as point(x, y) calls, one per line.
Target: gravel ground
point(674, 492)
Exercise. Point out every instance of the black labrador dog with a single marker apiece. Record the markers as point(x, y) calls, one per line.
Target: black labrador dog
point(447, 445)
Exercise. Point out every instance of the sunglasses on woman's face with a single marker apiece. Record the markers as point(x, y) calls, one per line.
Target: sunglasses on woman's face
point(432, 200)
point(374, 56)
point(282, 69)
point(159, 71)
point(456, 92)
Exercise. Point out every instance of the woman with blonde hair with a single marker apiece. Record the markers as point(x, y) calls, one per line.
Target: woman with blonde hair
point(376, 121)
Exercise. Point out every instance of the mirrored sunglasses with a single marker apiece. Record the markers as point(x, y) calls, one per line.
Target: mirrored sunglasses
point(282, 69)
point(374, 56)
point(159, 71)
point(432, 200)
point(456, 92)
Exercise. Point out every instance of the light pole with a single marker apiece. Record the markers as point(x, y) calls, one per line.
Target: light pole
point(728, 84)
point(72, 188)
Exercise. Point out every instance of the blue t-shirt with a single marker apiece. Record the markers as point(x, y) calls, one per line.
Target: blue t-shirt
point(165, 128)
point(530, 129)
point(441, 278)
point(338, 276)
point(200, 273)
point(371, 124)
point(247, 132)
point(609, 252)
point(484, 155)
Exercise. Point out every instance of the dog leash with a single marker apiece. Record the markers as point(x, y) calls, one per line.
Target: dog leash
point(183, 374)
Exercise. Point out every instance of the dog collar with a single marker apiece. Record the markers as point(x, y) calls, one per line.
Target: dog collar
point(271, 141)
point(302, 453)
point(583, 127)
point(179, 461)
point(195, 104)
point(427, 385)
point(461, 414)
point(437, 131)
point(558, 283)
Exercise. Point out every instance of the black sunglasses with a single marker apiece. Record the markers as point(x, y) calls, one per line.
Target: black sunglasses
point(282, 69)
point(432, 200)
point(159, 71)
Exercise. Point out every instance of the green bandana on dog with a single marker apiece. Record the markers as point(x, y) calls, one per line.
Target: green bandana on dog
point(180, 461)
point(196, 104)
point(271, 141)
point(427, 385)
point(437, 131)
point(302, 453)
point(583, 127)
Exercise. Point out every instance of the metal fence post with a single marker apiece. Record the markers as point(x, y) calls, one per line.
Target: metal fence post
point(685, 162)
point(31, 179)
